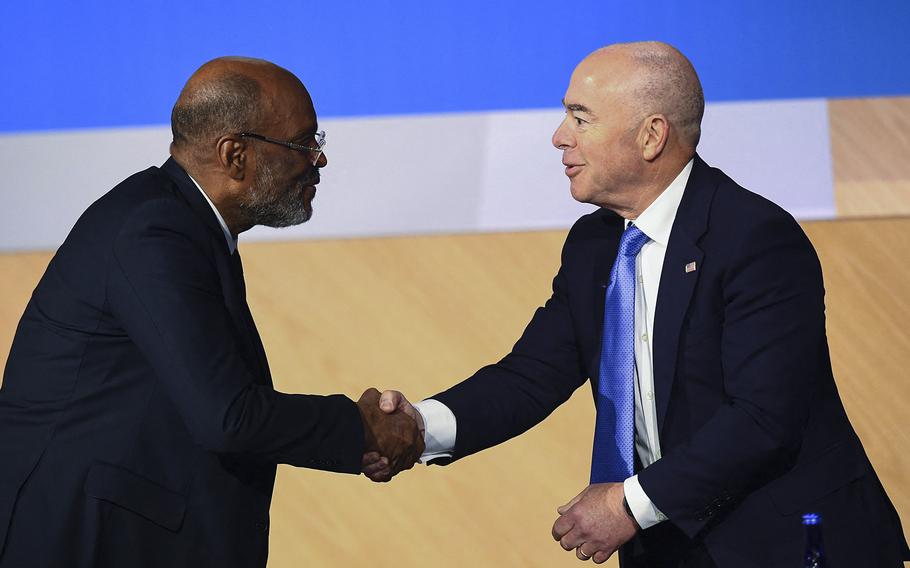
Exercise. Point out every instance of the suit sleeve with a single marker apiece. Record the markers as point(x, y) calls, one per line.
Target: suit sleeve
point(773, 336)
point(541, 372)
point(165, 291)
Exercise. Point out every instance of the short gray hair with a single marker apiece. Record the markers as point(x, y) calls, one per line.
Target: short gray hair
point(668, 84)
point(228, 104)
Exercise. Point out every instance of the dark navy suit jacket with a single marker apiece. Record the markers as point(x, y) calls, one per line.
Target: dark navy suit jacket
point(138, 422)
point(752, 429)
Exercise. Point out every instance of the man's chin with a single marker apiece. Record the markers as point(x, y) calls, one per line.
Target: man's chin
point(579, 192)
point(299, 214)
point(298, 219)
point(288, 218)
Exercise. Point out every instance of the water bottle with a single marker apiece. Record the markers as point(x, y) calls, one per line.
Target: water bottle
point(814, 556)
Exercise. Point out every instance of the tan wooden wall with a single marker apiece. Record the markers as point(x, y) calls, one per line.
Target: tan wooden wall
point(870, 139)
point(419, 313)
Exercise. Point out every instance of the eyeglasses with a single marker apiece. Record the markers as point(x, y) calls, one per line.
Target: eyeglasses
point(315, 153)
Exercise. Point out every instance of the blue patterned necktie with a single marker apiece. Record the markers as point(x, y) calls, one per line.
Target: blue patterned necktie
point(614, 431)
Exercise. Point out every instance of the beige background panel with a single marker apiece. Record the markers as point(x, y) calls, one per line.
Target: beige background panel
point(419, 313)
point(416, 314)
point(19, 274)
point(867, 279)
point(870, 145)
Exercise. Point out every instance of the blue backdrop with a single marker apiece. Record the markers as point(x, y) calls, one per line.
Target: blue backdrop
point(106, 63)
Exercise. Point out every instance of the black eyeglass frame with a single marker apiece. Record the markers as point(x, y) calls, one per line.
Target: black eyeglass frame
point(315, 152)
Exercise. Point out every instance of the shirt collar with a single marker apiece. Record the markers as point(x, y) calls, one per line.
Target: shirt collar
point(657, 220)
point(231, 239)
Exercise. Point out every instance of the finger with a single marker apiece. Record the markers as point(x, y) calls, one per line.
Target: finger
point(399, 465)
point(373, 458)
point(600, 557)
point(562, 526)
point(375, 469)
point(370, 458)
point(408, 464)
point(581, 555)
point(405, 462)
point(378, 474)
point(370, 394)
point(382, 477)
point(571, 541)
point(389, 400)
point(562, 510)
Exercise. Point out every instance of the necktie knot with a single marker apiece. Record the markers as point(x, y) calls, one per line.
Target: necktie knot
point(632, 240)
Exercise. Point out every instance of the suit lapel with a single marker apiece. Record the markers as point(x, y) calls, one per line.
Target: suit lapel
point(193, 196)
point(677, 282)
point(233, 283)
point(244, 319)
point(604, 256)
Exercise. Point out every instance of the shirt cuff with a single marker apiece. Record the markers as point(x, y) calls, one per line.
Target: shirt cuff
point(439, 429)
point(644, 511)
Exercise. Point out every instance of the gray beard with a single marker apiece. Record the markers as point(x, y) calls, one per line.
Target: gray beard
point(273, 206)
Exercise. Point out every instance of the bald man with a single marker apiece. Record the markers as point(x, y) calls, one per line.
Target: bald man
point(138, 422)
point(696, 309)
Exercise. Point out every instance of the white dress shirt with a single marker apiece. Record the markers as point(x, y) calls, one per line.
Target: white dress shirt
point(656, 221)
point(231, 239)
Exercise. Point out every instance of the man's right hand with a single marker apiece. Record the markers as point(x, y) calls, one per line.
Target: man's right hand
point(393, 436)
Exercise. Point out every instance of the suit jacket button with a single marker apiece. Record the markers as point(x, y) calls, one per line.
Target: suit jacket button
point(262, 527)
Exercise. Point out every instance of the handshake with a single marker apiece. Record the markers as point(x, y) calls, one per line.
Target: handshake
point(393, 432)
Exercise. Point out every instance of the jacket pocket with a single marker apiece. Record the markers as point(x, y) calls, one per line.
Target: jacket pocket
point(137, 494)
point(806, 483)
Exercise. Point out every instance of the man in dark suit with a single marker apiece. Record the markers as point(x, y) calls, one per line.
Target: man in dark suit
point(697, 310)
point(138, 422)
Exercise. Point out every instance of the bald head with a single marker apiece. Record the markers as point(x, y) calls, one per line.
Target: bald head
point(246, 131)
point(226, 96)
point(658, 79)
point(633, 120)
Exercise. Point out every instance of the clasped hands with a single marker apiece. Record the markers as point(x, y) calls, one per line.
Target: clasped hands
point(594, 523)
point(393, 434)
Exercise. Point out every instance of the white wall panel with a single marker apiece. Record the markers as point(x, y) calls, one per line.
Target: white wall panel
point(779, 149)
point(420, 174)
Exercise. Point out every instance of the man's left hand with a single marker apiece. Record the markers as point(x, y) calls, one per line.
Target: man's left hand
point(595, 523)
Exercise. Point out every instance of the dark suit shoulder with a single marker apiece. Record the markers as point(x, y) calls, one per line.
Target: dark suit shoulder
point(741, 210)
point(74, 285)
point(744, 228)
point(149, 196)
point(130, 195)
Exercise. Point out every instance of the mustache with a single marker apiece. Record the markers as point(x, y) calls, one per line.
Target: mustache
point(311, 180)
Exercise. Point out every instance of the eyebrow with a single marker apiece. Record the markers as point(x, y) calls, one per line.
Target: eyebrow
point(576, 107)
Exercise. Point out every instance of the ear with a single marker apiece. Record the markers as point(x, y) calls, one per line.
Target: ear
point(654, 134)
point(232, 156)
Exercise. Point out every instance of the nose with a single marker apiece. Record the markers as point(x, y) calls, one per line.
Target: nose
point(322, 161)
point(562, 138)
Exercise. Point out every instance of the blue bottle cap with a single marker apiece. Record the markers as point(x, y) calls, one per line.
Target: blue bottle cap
point(811, 519)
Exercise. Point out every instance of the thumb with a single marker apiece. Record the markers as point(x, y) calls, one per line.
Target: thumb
point(390, 400)
point(565, 508)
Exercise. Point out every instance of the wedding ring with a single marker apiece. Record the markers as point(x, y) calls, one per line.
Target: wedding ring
point(582, 554)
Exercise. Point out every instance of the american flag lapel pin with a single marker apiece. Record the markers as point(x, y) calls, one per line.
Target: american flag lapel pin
point(690, 267)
